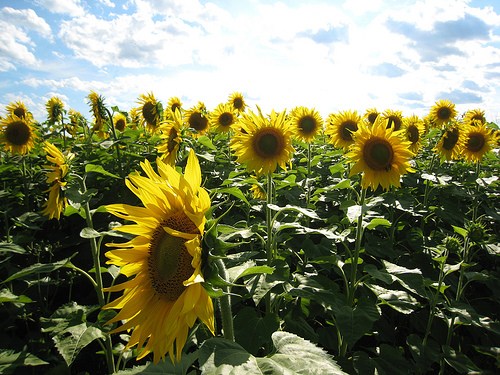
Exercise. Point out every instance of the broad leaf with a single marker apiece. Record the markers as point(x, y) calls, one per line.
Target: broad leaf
point(39, 268)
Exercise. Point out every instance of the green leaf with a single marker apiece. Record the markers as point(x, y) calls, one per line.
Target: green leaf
point(293, 355)
point(205, 141)
point(460, 231)
point(10, 360)
point(234, 191)
point(164, 368)
point(424, 355)
point(247, 268)
point(73, 339)
point(304, 211)
point(253, 331)
point(345, 184)
point(459, 361)
point(378, 221)
point(89, 233)
point(39, 268)
point(99, 169)
point(399, 300)
point(7, 296)
point(8, 247)
point(355, 323)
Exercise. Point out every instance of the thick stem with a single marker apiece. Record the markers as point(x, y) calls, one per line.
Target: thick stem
point(225, 303)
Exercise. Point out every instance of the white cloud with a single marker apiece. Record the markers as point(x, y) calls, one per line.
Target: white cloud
point(360, 7)
point(27, 19)
point(108, 3)
point(71, 7)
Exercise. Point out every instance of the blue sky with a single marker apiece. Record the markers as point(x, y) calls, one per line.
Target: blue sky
point(330, 55)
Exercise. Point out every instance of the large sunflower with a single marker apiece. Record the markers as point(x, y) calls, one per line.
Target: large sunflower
point(222, 118)
point(443, 112)
point(263, 143)
point(18, 109)
point(165, 296)
point(305, 123)
point(17, 134)
point(394, 119)
point(55, 110)
point(171, 130)
point(237, 101)
point(474, 115)
point(151, 112)
point(56, 203)
point(415, 129)
point(478, 141)
point(380, 154)
point(450, 144)
point(341, 127)
point(197, 120)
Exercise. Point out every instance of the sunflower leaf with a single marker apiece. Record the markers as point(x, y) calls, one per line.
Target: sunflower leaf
point(99, 169)
point(10, 360)
point(39, 268)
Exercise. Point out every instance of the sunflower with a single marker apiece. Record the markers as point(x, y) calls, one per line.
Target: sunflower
point(258, 192)
point(341, 127)
point(18, 109)
point(443, 112)
point(305, 123)
point(380, 154)
point(151, 112)
point(415, 129)
point(222, 118)
point(394, 119)
point(474, 115)
point(197, 120)
point(56, 203)
point(263, 143)
point(171, 131)
point(55, 110)
point(478, 141)
point(237, 101)
point(370, 115)
point(450, 144)
point(135, 118)
point(17, 134)
point(98, 109)
point(120, 121)
point(75, 119)
point(165, 296)
point(174, 103)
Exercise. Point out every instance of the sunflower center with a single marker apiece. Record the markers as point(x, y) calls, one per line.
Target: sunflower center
point(120, 125)
point(149, 113)
point(20, 112)
point(175, 106)
point(444, 113)
point(372, 117)
point(171, 140)
point(17, 133)
point(307, 125)
point(413, 134)
point(238, 103)
point(378, 154)
point(476, 142)
point(198, 122)
point(226, 119)
point(477, 117)
point(450, 139)
point(169, 261)
point(348, 127)
point(395, 122)
point(268, 143)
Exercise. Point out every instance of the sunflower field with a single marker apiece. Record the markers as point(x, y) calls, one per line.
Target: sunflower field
point(170, 240)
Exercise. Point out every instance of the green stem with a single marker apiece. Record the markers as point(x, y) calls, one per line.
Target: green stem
point(25, 183)
point(225, 303)
point(117, 146)
point(427, 190)
point(308, 187)
point(475, 204)
point(269, 241)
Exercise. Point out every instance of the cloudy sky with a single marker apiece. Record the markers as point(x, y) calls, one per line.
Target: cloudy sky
point(331, 55)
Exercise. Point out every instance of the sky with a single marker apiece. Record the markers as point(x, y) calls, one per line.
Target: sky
point(332, 55)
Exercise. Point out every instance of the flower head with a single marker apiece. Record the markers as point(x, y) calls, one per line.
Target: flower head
point(414, 129)
point(222, 118)
point(56, 203)
point(17, 134)
point(120, 121)
point(472, 117)
point(170, 131)
point(263, 143)
point(380, 154)
point(174, 104)
point(55, 110)
point(237, 102)
point(341, 128)
point(305, 124)
point(443, 112)
point(98, 109)
point(163, 297)
point(151, 112)
point(450, 144)
point(394, 119)
point(370, 115)
point(18, 109)
point(197, 120)
point(478, 141)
